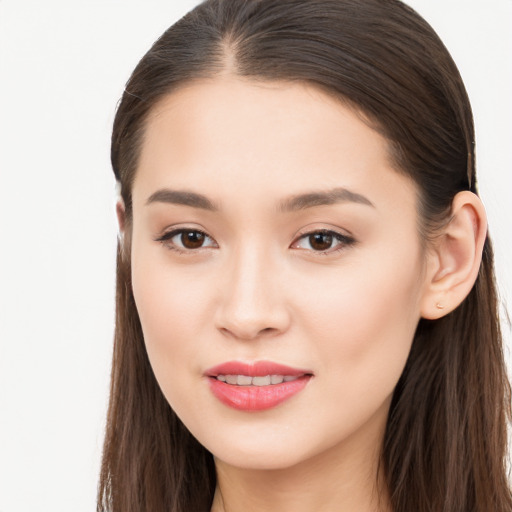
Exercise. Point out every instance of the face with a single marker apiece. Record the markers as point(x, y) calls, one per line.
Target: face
point(276, 268)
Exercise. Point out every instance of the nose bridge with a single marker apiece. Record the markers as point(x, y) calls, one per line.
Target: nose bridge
point(253, 303)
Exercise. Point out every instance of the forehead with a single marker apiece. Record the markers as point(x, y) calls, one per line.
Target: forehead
point(233, 135)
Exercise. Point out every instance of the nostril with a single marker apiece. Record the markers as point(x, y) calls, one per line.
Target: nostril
point(245, 316)
point(248, 334)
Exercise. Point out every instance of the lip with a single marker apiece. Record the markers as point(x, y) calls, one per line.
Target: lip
point(256, 369)
point(256, 398)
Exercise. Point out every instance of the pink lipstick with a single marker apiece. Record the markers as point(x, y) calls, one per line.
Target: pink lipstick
point(255, 387)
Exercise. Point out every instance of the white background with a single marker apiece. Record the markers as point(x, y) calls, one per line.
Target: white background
point(63, 65)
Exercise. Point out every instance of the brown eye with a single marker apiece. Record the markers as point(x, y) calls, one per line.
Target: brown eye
point(192, 239)
point(323, 242)
point(320, 241)
point(186, 240)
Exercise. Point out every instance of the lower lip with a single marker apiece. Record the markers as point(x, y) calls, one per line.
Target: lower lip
point(256, 398)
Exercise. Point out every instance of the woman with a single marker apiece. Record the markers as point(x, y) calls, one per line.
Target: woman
point(306, 311)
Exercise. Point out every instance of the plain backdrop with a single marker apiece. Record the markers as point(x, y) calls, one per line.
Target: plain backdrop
point(63, 65)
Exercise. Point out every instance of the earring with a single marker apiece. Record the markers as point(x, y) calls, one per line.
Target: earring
point(439, 306)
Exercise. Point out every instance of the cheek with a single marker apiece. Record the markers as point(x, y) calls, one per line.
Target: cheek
point(364, 323)
point(171, 306)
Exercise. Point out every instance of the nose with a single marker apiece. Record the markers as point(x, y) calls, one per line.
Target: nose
point(253, 303)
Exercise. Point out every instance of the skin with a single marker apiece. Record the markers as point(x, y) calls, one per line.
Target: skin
point(259, 289)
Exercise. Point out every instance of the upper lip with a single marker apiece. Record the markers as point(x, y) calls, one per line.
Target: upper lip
point(255, 369)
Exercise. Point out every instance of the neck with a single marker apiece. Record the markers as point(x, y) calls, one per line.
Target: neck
point(345, 478)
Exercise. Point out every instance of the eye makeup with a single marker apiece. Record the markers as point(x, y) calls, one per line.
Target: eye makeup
point(319, 241)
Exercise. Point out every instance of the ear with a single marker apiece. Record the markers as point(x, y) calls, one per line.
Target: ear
point(121, 217)
point(455, 256)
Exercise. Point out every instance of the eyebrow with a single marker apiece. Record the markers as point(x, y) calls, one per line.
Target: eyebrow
point(291, 204)
point(184, 197)
point(322, 198)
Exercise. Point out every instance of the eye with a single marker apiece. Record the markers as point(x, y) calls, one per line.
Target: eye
point(323, 241)
point(186, 240)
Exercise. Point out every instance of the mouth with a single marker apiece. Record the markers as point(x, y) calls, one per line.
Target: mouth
point(247, 380)
point(256, 387)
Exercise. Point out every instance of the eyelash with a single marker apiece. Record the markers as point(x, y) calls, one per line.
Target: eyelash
point(344, 240)
point(166, 238)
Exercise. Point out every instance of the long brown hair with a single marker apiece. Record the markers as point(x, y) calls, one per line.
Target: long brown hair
point(445, 444)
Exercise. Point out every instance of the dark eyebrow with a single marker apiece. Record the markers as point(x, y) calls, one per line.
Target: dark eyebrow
point(184, 197)
point(294, 203)
point(322, 198)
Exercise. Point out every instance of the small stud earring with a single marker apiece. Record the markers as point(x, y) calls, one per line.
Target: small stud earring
point(439, 306)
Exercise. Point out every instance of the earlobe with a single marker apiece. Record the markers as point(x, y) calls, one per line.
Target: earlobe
point(455, 257)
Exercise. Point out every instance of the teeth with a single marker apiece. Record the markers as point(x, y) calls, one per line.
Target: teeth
point(246, 380)
point(261, 381)
point(231, 379)
point(276, 379)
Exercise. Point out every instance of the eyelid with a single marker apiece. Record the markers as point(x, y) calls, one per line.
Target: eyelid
point(169, 234)
point(345, 240)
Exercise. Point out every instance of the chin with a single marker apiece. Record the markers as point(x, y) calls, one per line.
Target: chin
point(262, 458)
point(278, 448)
